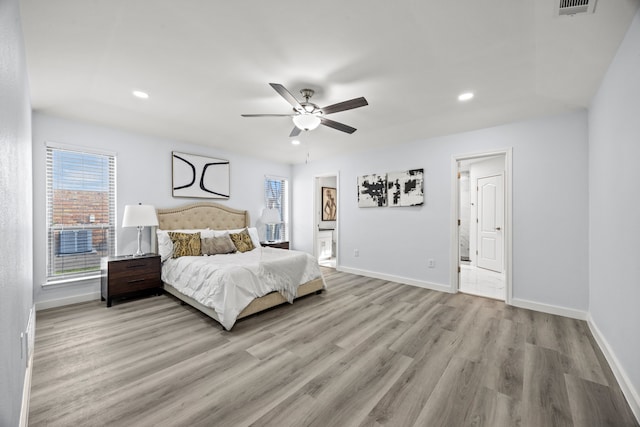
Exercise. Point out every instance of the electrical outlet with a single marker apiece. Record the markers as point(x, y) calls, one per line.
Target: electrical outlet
point(431, 263)
point(356, 253)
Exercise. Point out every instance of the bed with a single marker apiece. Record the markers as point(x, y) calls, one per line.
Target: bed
point(259, 265)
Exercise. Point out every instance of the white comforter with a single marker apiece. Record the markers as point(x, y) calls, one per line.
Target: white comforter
point(228, 283)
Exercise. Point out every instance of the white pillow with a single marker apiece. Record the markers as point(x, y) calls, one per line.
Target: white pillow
point(165, 245)
point(253, 232)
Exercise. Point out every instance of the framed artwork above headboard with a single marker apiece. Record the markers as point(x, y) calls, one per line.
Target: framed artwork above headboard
point(199, 176)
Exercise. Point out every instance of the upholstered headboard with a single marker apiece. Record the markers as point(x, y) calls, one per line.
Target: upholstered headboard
point(202, 215)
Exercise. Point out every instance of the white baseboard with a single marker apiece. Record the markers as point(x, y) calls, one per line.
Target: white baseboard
point(27, 341)
point(42, 305)
point(397, 279)
point(26, 395)
point(550, 309)
point(632, 395)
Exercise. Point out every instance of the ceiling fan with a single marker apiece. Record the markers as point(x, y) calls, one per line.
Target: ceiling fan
point(308, 116)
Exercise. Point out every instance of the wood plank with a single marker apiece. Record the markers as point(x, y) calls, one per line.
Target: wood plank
point(593, 404)
point(545, 399)
point(366, 352)
point(450, 404)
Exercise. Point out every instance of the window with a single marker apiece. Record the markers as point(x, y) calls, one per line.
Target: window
point(276, 195)
point(81, 212)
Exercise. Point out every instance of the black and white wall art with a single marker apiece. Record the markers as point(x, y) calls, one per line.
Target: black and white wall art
point(405, 188)
point(372, 190)
point(199, 176)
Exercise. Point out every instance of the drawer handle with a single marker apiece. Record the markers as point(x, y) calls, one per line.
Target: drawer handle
point(135, 265)
point(136, 281)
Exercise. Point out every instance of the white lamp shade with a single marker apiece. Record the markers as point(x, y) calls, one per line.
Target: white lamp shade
point(270, 216)
point(306, 121)
point(139, 216)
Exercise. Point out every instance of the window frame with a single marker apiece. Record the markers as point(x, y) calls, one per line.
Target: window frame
point(282, 230)
point(109, 228)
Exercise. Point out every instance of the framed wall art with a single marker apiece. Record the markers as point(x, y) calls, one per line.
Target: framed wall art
point(329, 204)
point(372, 190)
point(199, 176)
point(405, 188)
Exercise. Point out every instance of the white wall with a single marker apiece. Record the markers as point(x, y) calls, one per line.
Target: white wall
point(143, 175)
point(614, 211)
point(16, 287)
point(549, 209)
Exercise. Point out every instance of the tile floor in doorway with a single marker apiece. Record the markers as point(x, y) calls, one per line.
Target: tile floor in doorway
point(328, 262)
point(482, 282)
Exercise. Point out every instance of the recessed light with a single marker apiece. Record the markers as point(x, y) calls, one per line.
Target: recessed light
point(140, 94)
point(465, 96)
point(295, 142)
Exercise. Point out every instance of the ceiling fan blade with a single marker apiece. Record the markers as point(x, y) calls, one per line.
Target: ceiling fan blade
point(287, 96)
point(337, 125)
point(267, 115)
point(295, 131)
point(345, 105)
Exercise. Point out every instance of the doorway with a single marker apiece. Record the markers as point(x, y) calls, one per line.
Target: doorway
point(481, 242)
point(326, 213)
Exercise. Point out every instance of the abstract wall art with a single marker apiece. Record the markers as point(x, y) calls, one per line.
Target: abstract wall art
point(405, 188)
point(372, 190)
point(199, 176)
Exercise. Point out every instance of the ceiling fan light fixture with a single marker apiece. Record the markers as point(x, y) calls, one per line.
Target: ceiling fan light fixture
point(465, 96)
point(140, 94)
point(306, 121)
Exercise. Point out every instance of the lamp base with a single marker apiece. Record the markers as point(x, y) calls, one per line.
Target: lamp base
point(139, 251)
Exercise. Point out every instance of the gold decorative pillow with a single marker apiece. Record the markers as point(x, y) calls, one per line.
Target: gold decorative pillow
point(217, 245)
point(242, 240)
point(185, 244)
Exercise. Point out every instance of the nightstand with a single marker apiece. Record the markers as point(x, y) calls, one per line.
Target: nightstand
point(280, 245)
point(122, 276)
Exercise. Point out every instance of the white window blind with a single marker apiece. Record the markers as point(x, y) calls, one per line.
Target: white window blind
point(276, 195)
point(81, 212)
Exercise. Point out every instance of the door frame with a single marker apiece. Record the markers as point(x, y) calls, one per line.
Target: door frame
point(317, 205)
point(454, 258)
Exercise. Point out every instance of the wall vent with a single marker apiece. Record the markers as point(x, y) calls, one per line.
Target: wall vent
point(573, 7)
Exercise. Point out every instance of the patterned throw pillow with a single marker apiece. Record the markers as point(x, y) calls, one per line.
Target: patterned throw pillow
point(185, 244)
point(217, 245)
point(242, 240)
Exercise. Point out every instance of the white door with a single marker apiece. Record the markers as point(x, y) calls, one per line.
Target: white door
point(491, 222)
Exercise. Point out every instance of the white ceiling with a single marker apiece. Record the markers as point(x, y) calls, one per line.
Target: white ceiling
point(205, 62)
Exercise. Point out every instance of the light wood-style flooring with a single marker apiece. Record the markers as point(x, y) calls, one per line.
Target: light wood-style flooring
point(365, 353)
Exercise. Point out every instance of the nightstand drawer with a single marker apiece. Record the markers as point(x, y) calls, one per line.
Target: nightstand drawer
point(134, 284)
point(121, 270)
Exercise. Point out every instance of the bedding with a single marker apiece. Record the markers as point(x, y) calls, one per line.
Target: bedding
point(165, 245)
point(218, 245)
point(242, 241)
point(228, 283)
point(263, 277)
point(185, 244)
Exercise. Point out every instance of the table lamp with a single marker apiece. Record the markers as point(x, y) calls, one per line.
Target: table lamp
point(270, 217)
point(139, 216)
